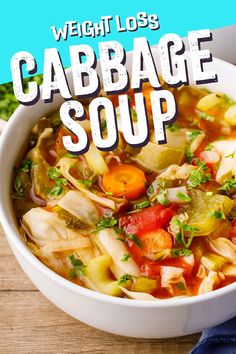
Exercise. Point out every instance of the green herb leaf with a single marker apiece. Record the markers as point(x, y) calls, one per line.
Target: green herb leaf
point(135, 239)
point(231, 156)
point(19, 188)
point(205, 116)
point(134, 114)
point(79, 268)
point(53, 173)
point(120, 239)
point(118, 230)
point(107, 222)
point(188, 154)
point(108, 193)
point(180, 252)
point(87, 182)
point(142, 205)
point(180, 286)
point(209, 147)
point(173, 127)
point(58, 189)
point(104, 125)
point(183, 196)
point(228, 185)
point(162, 197)
point(181, 235)
point(125, 257)
point(198, 176)
point(26, 165)
point(59, 182)
point(217, 214)
point(228, 100)
point(150, 190)
point(124, 279)
point(192, 135)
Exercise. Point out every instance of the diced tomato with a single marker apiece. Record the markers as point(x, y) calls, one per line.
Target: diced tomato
point(150, 269)
point(200, 148)
point(148, 219)
point(148, 225)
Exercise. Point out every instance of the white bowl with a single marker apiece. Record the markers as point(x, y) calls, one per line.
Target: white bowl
point(154, 319)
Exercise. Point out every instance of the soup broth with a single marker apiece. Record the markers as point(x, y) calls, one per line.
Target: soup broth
point(144, 223)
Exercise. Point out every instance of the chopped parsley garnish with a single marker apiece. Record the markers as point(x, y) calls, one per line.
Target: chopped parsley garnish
point(125, 257)
point(26, 165)
point(78, 267)
point(205, 116)
point(180, 252)
point(135, 239)
point(188, 154)
point(108, 193)
point(162, 197)
point(173, 127)
point(107, 222)
point(142, 205)
point(231, 156)
point(217, 214)
point(209, 147)
point(103, 125)
point(198, 176)
point(120, 239)
point(18, 186)
point(71, 156)
point(228, 100)
point(58, 188)
point(183, 196)
point(150, 190)
point(192, 135)
point(228, 185)
point(53, 173)
point(118, 230)
point(180, 286)
point(124, 279)
point(181, 234)
point(134, 115)
point(59, 182)
point(87, 182)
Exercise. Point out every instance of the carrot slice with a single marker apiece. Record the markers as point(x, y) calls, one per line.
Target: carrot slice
point(125, 180)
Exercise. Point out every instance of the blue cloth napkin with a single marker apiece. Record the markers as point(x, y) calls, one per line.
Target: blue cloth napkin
point(218, 340)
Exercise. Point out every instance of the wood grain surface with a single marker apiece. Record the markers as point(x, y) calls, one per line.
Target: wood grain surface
point(29, 323)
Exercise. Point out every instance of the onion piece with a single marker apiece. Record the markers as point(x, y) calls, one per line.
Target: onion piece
point(100, 184)
point(53, 153)
point(210, 156)
point(109, 157)
point(36, 199)
point(173, 194)
point(26, 231)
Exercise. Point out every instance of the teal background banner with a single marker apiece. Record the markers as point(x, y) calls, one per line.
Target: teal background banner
point(25, 25)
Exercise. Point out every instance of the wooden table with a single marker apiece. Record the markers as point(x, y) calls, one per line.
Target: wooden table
point(29, 323)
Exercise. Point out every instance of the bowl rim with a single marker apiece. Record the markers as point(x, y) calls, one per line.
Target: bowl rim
point(17, 243)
